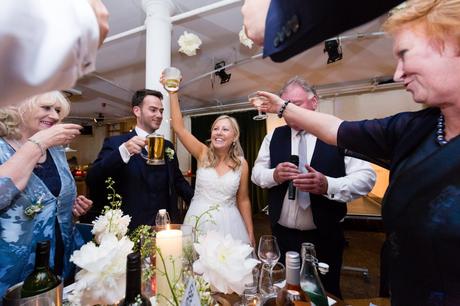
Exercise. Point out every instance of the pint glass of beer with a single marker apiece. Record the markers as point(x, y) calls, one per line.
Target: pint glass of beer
point(155, 149)
point(172, 77)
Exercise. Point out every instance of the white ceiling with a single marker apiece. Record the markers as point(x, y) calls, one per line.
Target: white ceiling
point(120, 68)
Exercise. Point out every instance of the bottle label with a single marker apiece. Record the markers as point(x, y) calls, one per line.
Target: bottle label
point(191, 296)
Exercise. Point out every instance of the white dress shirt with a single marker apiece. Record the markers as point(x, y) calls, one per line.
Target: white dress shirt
point(358, 181)
point(45, 45)
point(125, 156)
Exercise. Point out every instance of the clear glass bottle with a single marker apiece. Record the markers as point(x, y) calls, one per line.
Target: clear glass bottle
point(133, 296)
point(42, 277)
point(311, 283)
point(308, 248)
point(162, 219)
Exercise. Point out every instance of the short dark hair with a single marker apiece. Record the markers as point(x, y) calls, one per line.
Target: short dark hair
point(140, 94)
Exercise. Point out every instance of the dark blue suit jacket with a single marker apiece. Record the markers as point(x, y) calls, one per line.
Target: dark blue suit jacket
point(294, 26)
point(144, 189)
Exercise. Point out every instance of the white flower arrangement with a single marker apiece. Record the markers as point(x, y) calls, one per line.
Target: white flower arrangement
point(102, 278)
point(112, 221)
point(244, 39)
point(189, 43)
point(224, 262)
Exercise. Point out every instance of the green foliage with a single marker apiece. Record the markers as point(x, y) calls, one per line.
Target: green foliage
point(197, 219)
point(113, 197)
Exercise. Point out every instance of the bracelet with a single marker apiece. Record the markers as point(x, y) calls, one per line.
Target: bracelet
point(283, 108)
point(38, 145)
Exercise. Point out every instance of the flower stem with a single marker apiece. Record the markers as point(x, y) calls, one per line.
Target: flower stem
point(167, 278)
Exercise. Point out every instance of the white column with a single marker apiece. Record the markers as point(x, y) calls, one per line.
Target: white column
point(158, 50)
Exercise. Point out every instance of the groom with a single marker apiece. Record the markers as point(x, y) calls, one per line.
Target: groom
point(144, 188)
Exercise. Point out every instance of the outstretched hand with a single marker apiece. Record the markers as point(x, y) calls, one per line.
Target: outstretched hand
point(271, 104)
point(102, 16)
point(58, 134)
point(312, 181)
point(254, 14)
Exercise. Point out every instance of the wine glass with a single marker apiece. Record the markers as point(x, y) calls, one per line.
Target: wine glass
point(257, 100)
point(268, 252)
point(271, 279)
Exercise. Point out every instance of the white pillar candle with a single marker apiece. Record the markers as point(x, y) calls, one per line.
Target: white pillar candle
point(169, 242)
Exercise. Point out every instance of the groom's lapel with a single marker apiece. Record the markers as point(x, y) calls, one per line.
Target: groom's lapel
point(422, 181)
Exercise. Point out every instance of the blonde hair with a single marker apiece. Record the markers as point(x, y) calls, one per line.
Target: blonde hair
point(439, 19)
point(11, 117)
point(52, 97)
point(235, 152)
point(9, 122)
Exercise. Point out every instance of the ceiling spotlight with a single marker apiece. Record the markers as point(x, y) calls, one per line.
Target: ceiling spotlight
point(333, 49)
point(224, 76)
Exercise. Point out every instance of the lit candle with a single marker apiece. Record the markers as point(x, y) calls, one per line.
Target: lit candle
point(169, 242)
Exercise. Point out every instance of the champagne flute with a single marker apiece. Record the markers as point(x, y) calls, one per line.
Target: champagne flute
point(269, 252)
point(257, 100)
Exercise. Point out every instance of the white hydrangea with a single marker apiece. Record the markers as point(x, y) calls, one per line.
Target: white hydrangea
point(224, 262)
point(113, 222)
point(189, 43)
point(102, 278)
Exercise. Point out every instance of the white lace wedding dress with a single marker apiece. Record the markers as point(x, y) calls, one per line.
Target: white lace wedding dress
point(212, 189)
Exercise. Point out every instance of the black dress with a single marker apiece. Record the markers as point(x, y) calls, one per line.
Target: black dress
point(421, 207)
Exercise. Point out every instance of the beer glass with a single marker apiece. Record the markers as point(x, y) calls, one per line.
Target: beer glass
point(155, 149)
point(257, 101)
point(172, 78)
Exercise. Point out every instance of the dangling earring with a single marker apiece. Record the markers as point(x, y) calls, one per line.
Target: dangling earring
point(233, 143)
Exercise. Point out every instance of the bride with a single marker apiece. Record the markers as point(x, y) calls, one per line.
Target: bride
point(221, 201)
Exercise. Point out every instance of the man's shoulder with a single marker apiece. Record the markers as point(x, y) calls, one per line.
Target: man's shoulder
point(118, 139)
point(282, 130)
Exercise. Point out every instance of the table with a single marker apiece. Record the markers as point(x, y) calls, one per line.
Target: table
point(231, 299)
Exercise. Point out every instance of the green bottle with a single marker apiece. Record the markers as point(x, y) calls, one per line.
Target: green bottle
point(133, 296)
point(42, 278)
point(311, 283)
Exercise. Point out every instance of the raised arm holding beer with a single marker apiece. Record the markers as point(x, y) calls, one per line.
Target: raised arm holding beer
point(222, 176)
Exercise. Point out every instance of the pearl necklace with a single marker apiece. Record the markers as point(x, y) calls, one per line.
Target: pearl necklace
point(440, 133)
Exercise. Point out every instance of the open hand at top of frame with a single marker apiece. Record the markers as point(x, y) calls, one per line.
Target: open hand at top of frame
point(254, 14)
